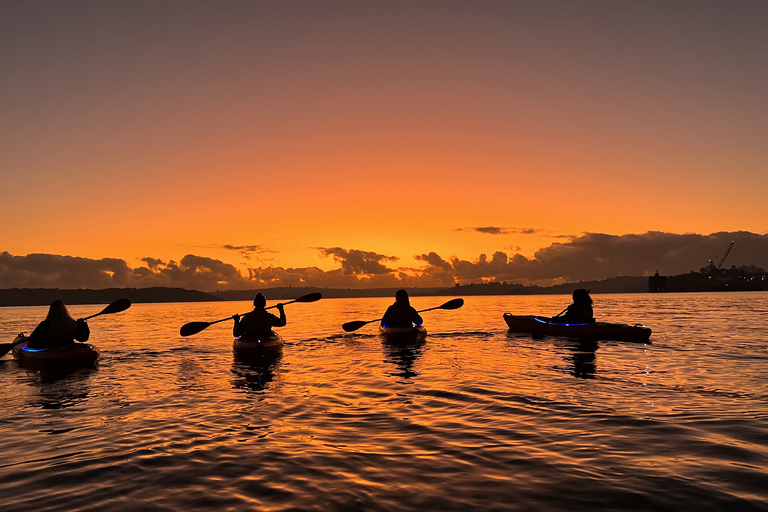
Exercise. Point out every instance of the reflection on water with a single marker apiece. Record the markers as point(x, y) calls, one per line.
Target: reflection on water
point(583, 359)
point(403, 355)
point(472, 419)
point(58, 389)
point(255, 372)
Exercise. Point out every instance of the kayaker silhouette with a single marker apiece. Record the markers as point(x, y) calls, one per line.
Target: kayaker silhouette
point(580, 312)
point(58, 329)
point(259, 321)
point(401, 313)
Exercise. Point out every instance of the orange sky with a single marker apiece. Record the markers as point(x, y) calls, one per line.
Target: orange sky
point(160, 130)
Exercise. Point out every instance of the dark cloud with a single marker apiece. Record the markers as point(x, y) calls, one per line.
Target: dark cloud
point(599, 256)
point(358, 262)
point(491, 230)
point(245, 251)
point(488, 230)
point(496, 230)
point(54, 271)
point(152, 263)
point(438, 272)
point(586, 257)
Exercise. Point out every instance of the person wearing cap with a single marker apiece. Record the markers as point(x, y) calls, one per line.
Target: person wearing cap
point(259, 321)
point(580, 312)
point(401, 313)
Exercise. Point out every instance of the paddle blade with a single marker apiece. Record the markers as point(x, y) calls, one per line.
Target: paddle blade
point(116, 307)
point(312, 297)
point(193, 328)
point(353, 326)
point(453, 304)
point(4, 348)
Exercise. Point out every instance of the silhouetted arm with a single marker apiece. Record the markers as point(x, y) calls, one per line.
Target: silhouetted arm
point(282, 320)
point(237, 330)
point(416, 317)
point(83, 331)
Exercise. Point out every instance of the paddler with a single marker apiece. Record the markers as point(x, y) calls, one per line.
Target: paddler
point(259, 321)
point(58, 329)
point(401, 313)
point(580, 312)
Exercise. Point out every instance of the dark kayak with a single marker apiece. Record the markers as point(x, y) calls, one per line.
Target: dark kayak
point(403, 334)
point(541, 326)
point(76, 354)
point(256, 345)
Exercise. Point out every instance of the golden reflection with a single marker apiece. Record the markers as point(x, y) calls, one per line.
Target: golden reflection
point(403, 355)
point(255, 372)
point(583, 359)
point(59, 389)
point(192, 375)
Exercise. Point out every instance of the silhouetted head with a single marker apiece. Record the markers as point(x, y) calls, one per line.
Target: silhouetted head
point(61, 325)
point(58, 311)
point(581, 296)
point(401, 296)
point(259, 301)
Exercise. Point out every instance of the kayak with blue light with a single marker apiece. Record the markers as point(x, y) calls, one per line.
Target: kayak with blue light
point(257, 344)
point(403, 334)
point(543, 326)
point(74, 354)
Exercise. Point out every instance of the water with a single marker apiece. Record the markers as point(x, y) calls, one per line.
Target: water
point(475, 419)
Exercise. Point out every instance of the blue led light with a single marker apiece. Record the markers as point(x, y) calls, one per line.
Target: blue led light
point(555, 323)
point(28, 349)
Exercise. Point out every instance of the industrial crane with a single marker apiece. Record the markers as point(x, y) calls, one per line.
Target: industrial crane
point(722, 260)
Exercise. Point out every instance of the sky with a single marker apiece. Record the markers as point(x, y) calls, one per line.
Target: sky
point(238, 144)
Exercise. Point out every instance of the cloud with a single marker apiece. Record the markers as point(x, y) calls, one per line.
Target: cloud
point(600, 256)
point(245, 251)
point(497, 230)
point(488, 230)
point(358, 262)
point(54, 271)
point(492, 230)
point(587, 257)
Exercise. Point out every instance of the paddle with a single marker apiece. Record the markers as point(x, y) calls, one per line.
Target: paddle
point(557, 315)
point(116, 307)
point(451, 304)
point(195, 327)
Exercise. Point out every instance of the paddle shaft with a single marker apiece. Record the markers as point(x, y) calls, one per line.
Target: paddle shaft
point(6, 347)
point(270, 307)
point(557, 315)
point(191, 328)
point(242, 314)
point(451, 304)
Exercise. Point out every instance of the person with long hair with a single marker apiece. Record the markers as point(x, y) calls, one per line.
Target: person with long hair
point(259, 321)
point(58, 329)
point(401, 313)
point(579, 312)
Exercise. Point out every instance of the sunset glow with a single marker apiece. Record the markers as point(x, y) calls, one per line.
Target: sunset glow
point(257, 134)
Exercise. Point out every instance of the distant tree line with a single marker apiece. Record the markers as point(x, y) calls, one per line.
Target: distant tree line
point(44, 296)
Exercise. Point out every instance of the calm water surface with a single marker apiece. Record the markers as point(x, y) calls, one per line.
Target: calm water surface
point(474, 419)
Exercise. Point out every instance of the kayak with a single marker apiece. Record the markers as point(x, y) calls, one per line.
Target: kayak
point(76, 354)
point(541, 326)
point(403, 334)
point(260, 344)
